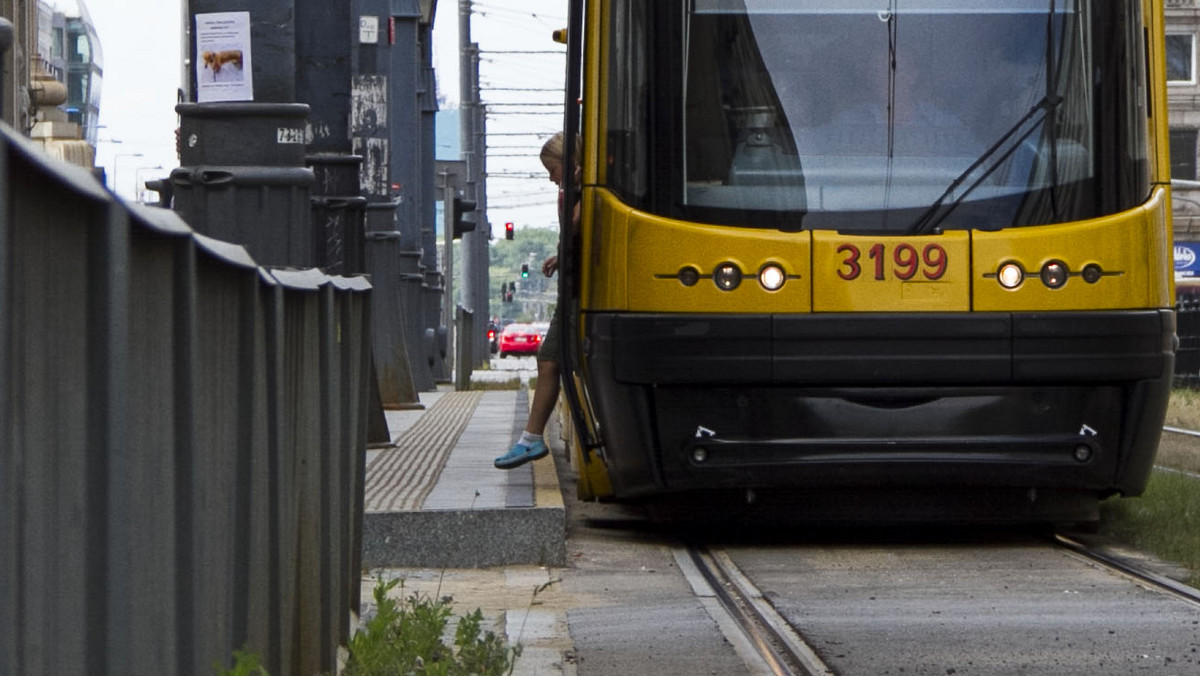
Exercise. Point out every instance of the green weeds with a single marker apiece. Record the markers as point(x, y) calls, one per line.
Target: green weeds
point(513, 383)
point(244, 664)
point(1164, 521)
point(408, 637)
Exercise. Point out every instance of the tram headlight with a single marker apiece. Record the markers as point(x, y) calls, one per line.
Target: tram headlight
point(689, 276)
point(1054, 274)
point(1092, 273)
point(772, 277)
point(727, 276)
point(1010, 275)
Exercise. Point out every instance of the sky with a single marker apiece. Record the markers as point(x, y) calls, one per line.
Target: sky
point(143, 65)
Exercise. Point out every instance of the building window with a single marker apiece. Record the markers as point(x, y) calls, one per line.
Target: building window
point(1183, 154)
point(1181, 65)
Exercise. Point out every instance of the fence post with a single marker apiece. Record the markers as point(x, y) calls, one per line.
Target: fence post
point(462, 348)
point(6, 39)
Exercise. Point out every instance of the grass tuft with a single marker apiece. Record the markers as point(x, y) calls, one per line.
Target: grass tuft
point(407, 637)
point(513, 383)
point(1184, 408)
point(1164, 521)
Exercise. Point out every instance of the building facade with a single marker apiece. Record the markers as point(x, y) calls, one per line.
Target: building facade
point(54, 43)
point(69, 51)
point(1183, 101)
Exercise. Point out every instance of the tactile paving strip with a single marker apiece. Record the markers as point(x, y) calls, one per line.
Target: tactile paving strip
point(400, 479)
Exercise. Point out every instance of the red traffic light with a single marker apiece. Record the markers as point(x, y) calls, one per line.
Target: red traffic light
point(508, 230)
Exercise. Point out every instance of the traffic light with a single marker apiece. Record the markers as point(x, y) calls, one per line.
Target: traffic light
point(512, 286)
point(508, 230)
point(524, 270)
point(462, 206)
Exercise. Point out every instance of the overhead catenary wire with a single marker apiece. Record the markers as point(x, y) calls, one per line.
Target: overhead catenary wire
point(521, 100)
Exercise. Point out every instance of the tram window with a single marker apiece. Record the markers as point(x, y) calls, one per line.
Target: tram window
point(627, 144)
point(823, 108)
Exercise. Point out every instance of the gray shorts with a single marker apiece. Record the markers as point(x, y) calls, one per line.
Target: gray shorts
point(549, 350)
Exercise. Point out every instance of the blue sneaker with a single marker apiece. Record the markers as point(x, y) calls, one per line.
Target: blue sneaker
point(519, 455)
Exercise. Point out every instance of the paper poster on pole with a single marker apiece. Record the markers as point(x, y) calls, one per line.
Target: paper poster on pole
point(223, 57)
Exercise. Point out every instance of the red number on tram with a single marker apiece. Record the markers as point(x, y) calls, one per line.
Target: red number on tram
point(932, 262)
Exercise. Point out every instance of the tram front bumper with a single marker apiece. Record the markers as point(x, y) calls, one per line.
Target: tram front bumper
point(1055, 400)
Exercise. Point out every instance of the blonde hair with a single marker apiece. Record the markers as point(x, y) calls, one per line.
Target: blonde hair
point(552, 150)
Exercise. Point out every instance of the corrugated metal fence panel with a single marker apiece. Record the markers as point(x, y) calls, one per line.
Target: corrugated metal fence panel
point(9, 557)
point(218, 511)
point(58, 489)
point(184, 438)
point(160, 287)
point(1187, 357)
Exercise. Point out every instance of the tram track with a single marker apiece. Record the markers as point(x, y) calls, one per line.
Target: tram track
point(773, 645)
point(1180, 430)
point(1127, 568)
point(1191, 434)
point(774, 641)
point(751, 620)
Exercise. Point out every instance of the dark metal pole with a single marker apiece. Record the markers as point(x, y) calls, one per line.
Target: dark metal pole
point(243, 134)
point(6, 40)
point(474, 244)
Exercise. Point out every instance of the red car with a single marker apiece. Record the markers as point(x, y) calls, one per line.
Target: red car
point(520, 339)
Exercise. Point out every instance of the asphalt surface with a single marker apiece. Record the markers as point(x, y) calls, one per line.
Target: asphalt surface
point(870, 602)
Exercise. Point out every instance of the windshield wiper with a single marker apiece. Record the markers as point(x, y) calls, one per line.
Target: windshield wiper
point(934, 215)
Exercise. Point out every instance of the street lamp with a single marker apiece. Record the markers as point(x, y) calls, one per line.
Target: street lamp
point(139, 189)
point(116, 164)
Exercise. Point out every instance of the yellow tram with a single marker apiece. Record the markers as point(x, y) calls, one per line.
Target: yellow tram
point(871, 252)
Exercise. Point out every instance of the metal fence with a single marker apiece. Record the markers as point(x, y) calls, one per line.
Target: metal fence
point(1187, 327)
point(182, 440)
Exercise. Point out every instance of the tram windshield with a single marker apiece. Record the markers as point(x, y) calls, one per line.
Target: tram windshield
point(906, 115)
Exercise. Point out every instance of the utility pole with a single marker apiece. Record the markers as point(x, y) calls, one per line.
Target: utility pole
point(451, 176)
point(471, 130)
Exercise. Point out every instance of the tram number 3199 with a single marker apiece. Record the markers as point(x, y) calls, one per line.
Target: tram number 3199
point(904, 259)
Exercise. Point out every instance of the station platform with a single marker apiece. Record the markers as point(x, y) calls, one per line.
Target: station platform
point(434, 500)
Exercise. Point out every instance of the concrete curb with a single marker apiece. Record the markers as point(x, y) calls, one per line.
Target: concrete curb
point(475, 516)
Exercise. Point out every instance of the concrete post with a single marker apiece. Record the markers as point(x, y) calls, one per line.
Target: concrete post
point(272, 37)
point(385, 126)
point(6, 40)
point(462, 350)
point(323, 75)
point(242, 137)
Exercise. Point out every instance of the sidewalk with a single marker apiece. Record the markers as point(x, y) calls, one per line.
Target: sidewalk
point(435, 500)
point(443, 519)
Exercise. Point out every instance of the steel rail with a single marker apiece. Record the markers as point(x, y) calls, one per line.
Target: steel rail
point(1141, 575)
point(1185, 432)
point(776, 641)
point(1180, 430)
